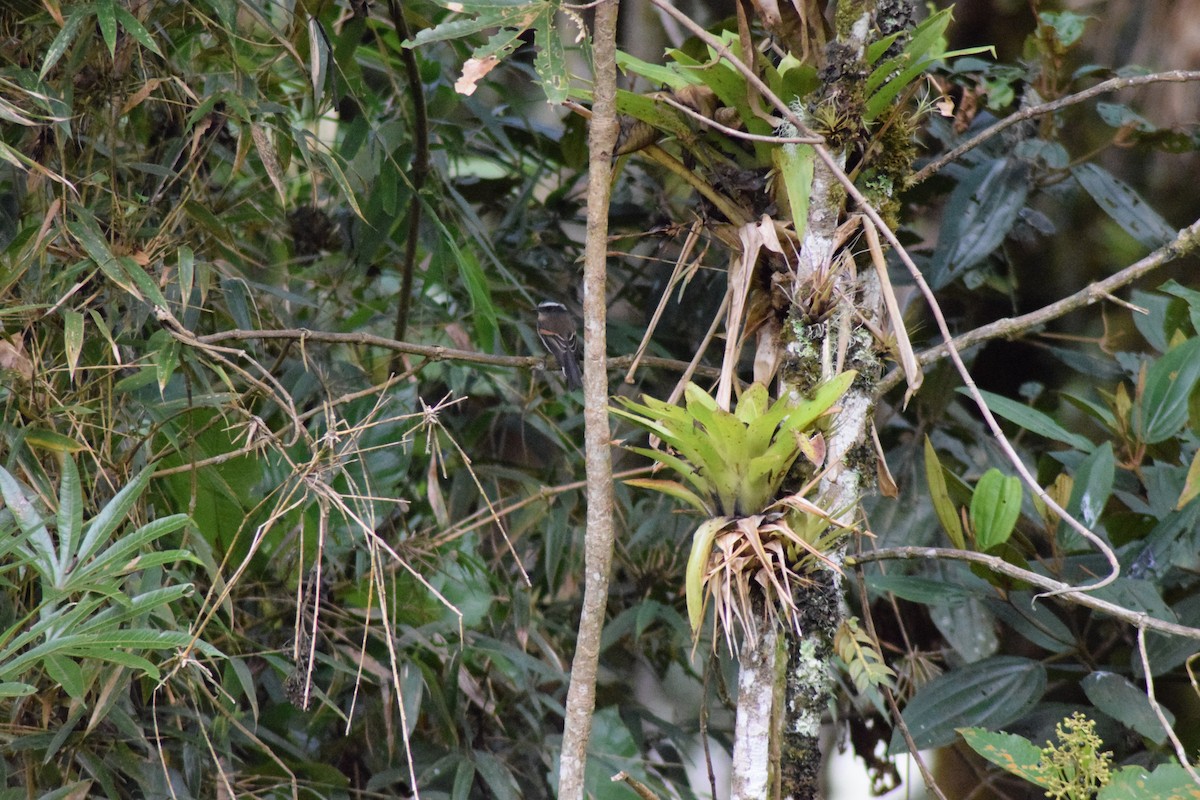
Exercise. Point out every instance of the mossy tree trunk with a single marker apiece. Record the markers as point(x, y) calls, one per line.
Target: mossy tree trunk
point(787, 682)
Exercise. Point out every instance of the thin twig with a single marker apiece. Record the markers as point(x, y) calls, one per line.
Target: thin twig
point(890, 697)
point(734, 132)
point(1009, 328)
point(434, 352)
point(1180, 750)
point(1111, 85)
point(1057, 588)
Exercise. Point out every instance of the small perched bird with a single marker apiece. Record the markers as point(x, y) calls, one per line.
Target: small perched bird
point(556, 329)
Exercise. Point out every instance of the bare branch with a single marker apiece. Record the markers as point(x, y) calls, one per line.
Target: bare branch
point(436, 352)
point(1180, 750)
point(1185, 242)
point(1066, 591)
point(598, 538)
point(1111, 85)
point(734, 132)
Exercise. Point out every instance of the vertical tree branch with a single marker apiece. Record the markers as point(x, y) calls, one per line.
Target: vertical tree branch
point(419, 170)
point(598, 546)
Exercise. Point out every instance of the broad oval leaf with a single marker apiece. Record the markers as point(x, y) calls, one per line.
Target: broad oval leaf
point(1124, 205)
point(1090, 490)
point(995, 508)
point(1163, 408)
point(1166, 782)
point(1013, 753)
point(986, 694)
point(978, 216)
point(916, 589)
point(1116, 696)
point(967, 626)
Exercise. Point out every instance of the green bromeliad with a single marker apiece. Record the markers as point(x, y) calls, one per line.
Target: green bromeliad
point(733, 465)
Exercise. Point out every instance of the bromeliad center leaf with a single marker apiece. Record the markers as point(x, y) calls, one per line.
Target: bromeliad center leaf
point(740, 458)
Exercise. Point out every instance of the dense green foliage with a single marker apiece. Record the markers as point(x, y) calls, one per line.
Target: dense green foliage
point(241, 559)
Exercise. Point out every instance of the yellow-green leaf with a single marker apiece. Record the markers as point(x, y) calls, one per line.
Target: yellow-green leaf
point(943, 506)
point(673, 489)
point(72, 339)
point(702, 544)
point(49, 440)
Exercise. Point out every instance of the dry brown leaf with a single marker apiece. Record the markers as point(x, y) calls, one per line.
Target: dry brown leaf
point(473, 72)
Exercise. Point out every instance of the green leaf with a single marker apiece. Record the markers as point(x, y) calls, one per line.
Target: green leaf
point(1090, 490)
point(1032, 420)
point(118, 559)
point(697, 567)
point(72, 339)
point(1124, 205)
point(500, 781)
point(464, 779)
point(1162, 410)
point(795, 163)
point(106, 18)
point(1166, 782)
point(113, 514)
point(1033, 620)
point(995, 508)
point(1116, 696)
point(754, 402)
point(1118, 115)
point(943, 506)
point(186, 271)
point(655, 114)
point(1068, 26)
point(927, 40)
point(70, 513)
point(967, 626)
point(318, 58)
point(925, 591)
point(681, 467)
point(517, 16)
point(32, 525)
point(989, 693)
point(67, 674)
point(64, 38)
point(1189, 296)
point(670, 75)
point(483, 311)
point(135, 29)
point(979, 214)
point(333, 166)
point(672, 489)
point(54, 442)
point(1016, 754)
point(1161, 320)
point(550, 63)
point(166, 359)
